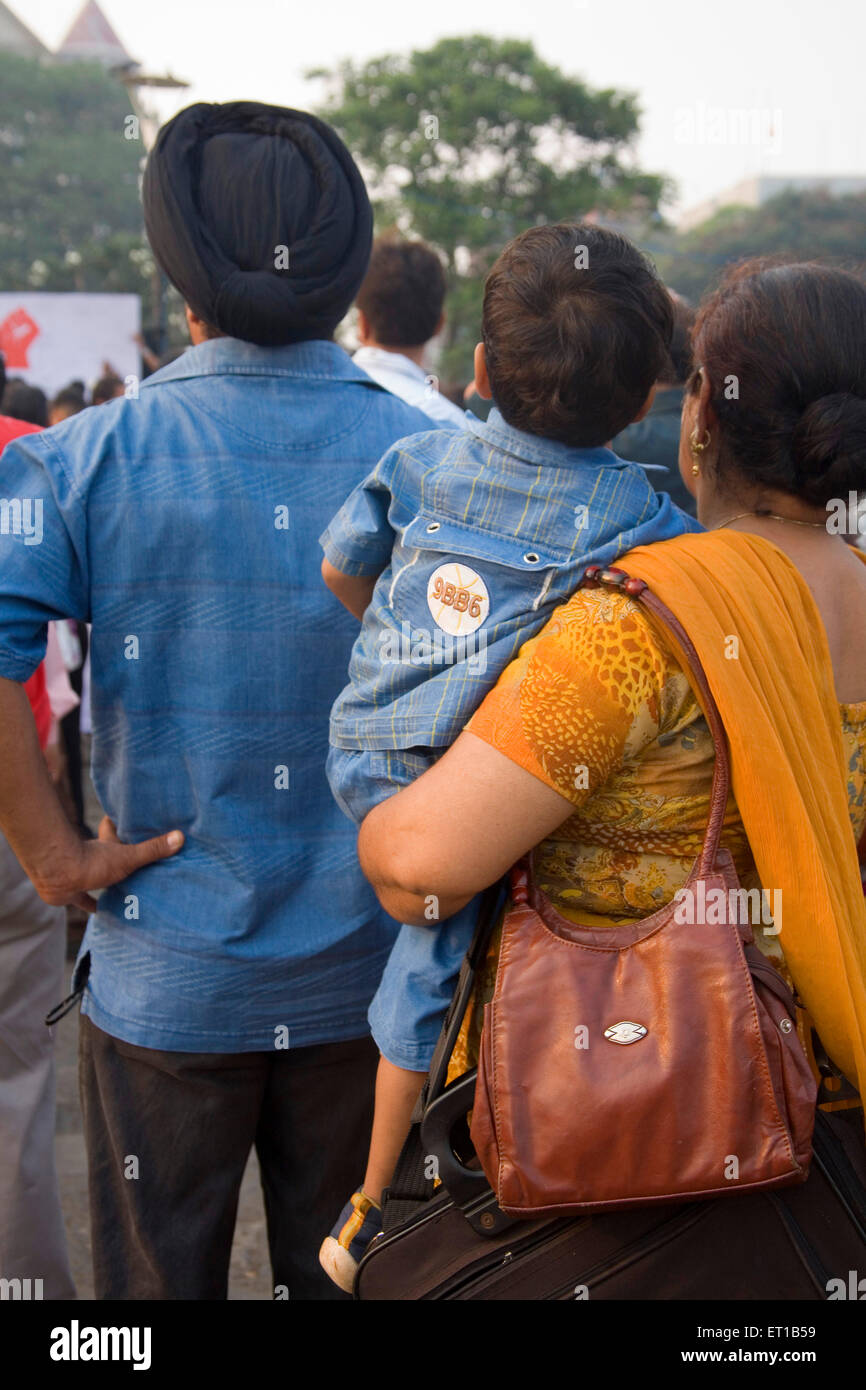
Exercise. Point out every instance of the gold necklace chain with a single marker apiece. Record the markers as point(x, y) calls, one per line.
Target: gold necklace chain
point(771, 516)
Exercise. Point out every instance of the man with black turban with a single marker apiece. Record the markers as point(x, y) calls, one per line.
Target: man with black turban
point(259, 217)
point(224, 991)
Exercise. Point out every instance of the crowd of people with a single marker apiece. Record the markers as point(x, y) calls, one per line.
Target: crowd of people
point(343, 671)
point(20, 400)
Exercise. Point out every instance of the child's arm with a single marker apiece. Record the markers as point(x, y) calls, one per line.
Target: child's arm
point(353, 590)
point(359, 540)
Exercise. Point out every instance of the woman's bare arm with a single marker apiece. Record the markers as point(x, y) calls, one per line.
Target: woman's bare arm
point(430, 848)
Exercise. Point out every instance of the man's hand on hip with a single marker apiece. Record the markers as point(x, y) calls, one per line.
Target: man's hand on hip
point(62, 867)
point(99, 863)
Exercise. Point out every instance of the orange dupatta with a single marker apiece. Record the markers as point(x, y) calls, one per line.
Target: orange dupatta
point(778, 702)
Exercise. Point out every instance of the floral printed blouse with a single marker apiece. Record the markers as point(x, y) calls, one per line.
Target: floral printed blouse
point(598, 708)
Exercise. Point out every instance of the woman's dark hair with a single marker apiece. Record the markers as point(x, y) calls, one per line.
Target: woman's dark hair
point(24, 402)
point(403, 292)
point(784, 347)
point(576, 327)
point(71, 398)
point(106, 389)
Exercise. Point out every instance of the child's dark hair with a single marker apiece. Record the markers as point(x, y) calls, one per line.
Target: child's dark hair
point(403, 292)
point(576, 327)
point(784, 347)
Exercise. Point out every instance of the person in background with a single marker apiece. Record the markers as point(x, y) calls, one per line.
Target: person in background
point(399, 311)
point(474, 401)
point(71, 640)
point(72, 643)
point(32, 960)
point(67, 402)
point(21, 401)
point(150, 360)
point(11, 426)
point(655, 440)
point(107, 388)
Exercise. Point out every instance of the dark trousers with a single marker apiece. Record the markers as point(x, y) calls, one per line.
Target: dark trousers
point(168, 1136)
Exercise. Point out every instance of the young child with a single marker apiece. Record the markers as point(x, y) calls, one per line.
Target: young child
point(455, 551)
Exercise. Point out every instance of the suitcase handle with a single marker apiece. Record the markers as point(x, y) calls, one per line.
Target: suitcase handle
point(467, 1187)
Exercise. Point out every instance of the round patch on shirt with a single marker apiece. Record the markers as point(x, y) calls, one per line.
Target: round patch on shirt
point(458, 599)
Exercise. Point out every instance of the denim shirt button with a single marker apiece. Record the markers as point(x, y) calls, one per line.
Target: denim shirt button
point(531, 558)
point(434, 526)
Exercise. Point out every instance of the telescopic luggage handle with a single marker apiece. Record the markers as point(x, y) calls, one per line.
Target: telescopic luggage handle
point(468, 1187)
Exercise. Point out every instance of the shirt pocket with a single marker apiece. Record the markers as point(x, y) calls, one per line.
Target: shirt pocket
point(457, 578)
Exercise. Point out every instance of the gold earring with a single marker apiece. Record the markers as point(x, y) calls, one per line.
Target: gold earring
point(697, 447)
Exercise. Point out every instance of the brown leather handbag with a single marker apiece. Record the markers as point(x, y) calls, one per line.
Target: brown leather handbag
point(649, 1062)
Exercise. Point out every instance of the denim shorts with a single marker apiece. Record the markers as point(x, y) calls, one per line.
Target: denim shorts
point(418, 981)
point(409, 1006)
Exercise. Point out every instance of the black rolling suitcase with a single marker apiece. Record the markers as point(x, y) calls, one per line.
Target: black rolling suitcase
point(453, 1242)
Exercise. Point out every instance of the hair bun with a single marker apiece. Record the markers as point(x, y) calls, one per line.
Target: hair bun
point(828, 447)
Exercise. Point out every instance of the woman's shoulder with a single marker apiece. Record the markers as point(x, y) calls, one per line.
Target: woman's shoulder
point(599, 657)
point(609, 623)
point(610, 634)
point(594, 689)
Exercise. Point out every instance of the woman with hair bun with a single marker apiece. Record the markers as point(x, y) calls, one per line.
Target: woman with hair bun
point(782, 371)
point(773, 441)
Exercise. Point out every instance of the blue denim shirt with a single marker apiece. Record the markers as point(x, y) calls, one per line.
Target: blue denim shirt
point(476, 537)
point(184, 526)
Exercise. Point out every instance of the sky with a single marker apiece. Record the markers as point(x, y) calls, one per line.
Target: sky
point(728, 89)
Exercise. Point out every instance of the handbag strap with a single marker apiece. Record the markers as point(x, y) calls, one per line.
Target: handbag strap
point(613, 578)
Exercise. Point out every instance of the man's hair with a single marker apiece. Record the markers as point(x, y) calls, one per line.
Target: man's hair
point(70, 399)
point(106, 388)
point(576, 326)
point(403, 292)
point(24, 402)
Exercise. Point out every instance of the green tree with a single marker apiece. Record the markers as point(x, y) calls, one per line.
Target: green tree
point(70, 215)
point(469, 142)
point(808, 225)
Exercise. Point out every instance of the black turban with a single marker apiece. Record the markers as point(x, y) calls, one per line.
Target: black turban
point(231, 193)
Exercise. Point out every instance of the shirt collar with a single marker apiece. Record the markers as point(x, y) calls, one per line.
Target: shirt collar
point(532, 448)
point(317, 359)
point(382, 360)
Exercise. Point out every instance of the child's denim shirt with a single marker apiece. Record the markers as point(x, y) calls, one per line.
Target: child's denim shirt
point(476, 537)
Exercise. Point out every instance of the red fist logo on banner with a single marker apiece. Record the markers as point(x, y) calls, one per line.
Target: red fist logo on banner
point(17, 332)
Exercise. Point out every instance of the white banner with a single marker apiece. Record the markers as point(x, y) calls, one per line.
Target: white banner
point(52, 339)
